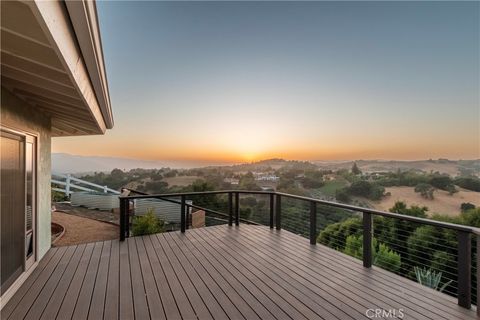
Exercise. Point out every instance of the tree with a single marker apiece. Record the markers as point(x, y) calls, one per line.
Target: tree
point(355, 169)
point(469, 183)
point(425, 190)
point(442, 182)
point(360, 188)
point(247, 182)
point(363, 188)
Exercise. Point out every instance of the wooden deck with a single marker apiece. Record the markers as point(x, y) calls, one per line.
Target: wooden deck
point(246, 272)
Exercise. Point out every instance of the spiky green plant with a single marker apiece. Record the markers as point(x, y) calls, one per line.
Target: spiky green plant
point(430, 278)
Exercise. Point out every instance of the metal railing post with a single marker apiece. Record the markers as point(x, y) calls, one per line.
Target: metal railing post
point(123, 214)
point(237, 208)
point(67, 185)
point(464, 270)
point(278, 212)
point(478, 274)
point(272, 209)
point(230, 209)
point(127, 218)
point(182, 214)
point(313, 222)
point(367, 240)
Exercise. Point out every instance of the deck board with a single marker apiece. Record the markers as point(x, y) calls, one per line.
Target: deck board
point(246, 272)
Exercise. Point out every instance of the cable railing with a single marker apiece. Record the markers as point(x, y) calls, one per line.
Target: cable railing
point(413, 247)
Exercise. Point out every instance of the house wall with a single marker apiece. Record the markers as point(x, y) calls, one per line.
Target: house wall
point(18, 115)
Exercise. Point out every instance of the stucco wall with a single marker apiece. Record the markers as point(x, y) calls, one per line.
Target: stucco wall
point(17, 115)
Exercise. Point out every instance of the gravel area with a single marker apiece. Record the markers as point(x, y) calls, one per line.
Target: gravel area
point(83, 230)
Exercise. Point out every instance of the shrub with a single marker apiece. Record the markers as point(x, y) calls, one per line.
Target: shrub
point(387, 259)
point(383, 256)
point(58, 196)
point(147, 224)
point(335, 235)
point(467, 206)
point(471, 217)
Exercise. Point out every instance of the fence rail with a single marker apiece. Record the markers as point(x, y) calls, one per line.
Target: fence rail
point(463, 233)
point(71, 184)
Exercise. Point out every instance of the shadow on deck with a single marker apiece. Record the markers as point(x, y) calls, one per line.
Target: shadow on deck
point(246, 272)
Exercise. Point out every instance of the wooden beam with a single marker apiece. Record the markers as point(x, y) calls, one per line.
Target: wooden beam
point(41, 91)
point(38, 82)
point(25, 37)
point(9, 58)
point(25, 72)
point(65, 114)
point(57, 122)
point(22, 47)
point(81, 114)
point(36, 97)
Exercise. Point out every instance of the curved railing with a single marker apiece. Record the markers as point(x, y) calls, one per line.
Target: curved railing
point(464, 234)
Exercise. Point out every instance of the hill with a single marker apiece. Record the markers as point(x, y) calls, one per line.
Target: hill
point(450, 167)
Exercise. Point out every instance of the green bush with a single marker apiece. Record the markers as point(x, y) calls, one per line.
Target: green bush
point(467, 206)
point(147, 224)
point(58, 196)
point(387, 259)
point(383, 256)
point(335, 235)
point(471, 217)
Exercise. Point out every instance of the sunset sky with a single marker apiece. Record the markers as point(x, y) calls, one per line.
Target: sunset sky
point(244, 81)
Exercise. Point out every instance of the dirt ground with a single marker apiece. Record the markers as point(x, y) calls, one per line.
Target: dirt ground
point(83, 230)
point(99, 215)
point(442, 203)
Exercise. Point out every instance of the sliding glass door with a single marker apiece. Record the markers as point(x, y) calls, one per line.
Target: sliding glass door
point(17, 209)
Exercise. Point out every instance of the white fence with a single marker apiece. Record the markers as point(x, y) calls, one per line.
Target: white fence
point(68, 185)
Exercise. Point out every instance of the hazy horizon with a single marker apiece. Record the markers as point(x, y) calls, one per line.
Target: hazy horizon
point(237, 82)
point(259, 160)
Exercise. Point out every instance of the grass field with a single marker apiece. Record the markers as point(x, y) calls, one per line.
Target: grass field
point(443, 202)
point(331, 187)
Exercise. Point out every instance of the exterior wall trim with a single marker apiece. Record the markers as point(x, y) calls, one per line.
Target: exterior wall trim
point(55, 22)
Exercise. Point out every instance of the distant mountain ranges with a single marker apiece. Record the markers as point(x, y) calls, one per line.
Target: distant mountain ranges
point(68, 163)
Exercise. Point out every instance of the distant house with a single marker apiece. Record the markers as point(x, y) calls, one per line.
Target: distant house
point(265, 176)
point(232, 181)
point(329, 177)
point(53, 84)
